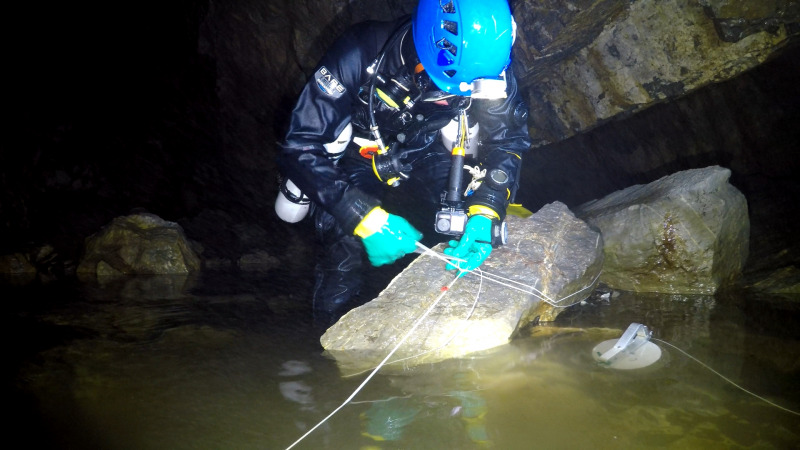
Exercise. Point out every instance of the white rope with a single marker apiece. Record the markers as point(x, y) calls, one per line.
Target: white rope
point(446, 258)
point(509, 283)
point(535, 292)
point(478, 175)
point(727, 379)
point(382, 363)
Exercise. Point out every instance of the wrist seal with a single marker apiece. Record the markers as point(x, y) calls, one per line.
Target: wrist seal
point(352, 208)
point(372, 222)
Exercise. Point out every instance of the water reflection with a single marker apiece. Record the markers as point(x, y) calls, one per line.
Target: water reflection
point(235, 362)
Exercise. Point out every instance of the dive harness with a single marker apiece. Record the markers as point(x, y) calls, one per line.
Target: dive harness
point(402, 92)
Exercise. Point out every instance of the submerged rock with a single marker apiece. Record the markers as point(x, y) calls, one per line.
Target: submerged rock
point(16, 269)
point(138, 244)
point(552, 260)
point(687, 233)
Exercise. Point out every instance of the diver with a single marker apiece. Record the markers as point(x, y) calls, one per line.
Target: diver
point(404, 103)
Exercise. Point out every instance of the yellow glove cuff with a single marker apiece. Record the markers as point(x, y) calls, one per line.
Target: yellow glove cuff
point(482, 211)
point(372, 222)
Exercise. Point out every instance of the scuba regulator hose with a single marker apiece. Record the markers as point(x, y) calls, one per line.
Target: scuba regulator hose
point(374, 70)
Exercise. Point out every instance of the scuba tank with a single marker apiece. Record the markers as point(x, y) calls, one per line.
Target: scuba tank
point(292, 205)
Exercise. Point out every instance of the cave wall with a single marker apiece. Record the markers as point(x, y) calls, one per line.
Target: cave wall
point(263, 53)
point(176, 108)
point(582, 63)
point(107, 109)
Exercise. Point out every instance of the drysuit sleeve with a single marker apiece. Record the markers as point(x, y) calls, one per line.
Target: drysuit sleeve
point(504, 140)
point(321, 112)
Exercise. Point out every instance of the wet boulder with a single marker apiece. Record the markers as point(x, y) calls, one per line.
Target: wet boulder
point(687, 233)
point(552, 260)
point(16, 269)
point(138, 244)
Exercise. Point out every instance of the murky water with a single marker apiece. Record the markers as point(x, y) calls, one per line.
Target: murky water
point(235, 363)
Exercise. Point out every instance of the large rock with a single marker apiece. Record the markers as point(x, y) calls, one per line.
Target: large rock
point(16, 269)
point(686, 233)
point(583, 62)
point(552, 260)
point(138, 244)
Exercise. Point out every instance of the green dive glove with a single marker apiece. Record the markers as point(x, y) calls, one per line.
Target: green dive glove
point(474, 247)
point(386, 237)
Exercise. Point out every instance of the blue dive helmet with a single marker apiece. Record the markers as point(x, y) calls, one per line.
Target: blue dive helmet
point(459, 41)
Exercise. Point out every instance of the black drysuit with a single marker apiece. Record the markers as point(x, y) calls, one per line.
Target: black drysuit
point(344, 192)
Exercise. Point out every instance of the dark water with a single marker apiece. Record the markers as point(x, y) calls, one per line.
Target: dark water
point(224, 362)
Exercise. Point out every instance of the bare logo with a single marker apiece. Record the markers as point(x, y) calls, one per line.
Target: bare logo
point(328, 83)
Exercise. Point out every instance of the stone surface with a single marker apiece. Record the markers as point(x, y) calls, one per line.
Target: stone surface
point(16, 269)
point(553, 253)
point(138, 244)
point(685, 233)
point(785, 280)
point(15, 264)
point(582, 63)
point(737, 19)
